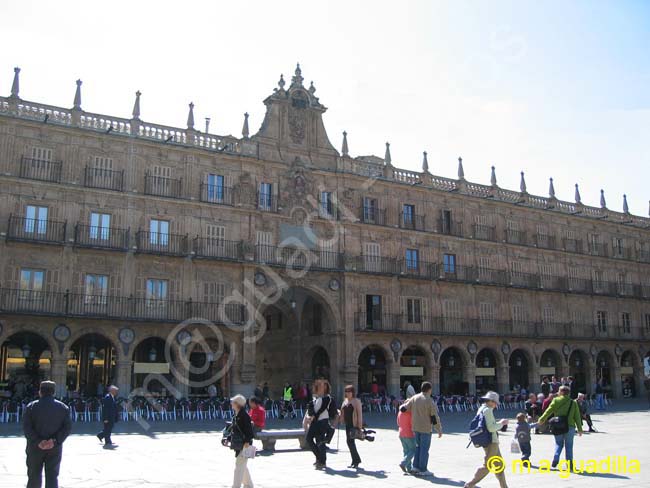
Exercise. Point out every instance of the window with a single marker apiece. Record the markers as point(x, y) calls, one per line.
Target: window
point(42, 154)
point(161, 183)
point(373, 311)
point(412, 259)
point(601, 321)
point(103, 163)
point(451, 312)
point(370, 210)
point(546, 274)
point(408, 215)
point(487, 313)
point(413, 309)
point(35, 220)
point(449, 263)
point(519, 315)
point(484, 268)
point(372, 256)
point(626, 323)
point(326, 204)
point(446, 222)
point(273, 320)
point(156, 292)
point(214, 292)
point(215, 188)
point(574, 278)
point(624, 283)
point(548, 315)
point(598, 277)
point(159, 232)
point(617, 244)
point(96, 289)
point(100, 226)
point(264, 245)
point(265, 199)
point(577, 317)
point(31, 280)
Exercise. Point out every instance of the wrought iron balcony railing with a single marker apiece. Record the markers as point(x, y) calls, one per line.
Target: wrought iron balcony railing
point(516, 237)
point(267, 202)
point(415, 268)
point(411, 221)
point(573, 245)
point(373, 215)
point(38, 169)
point(210, 247)
point(162, 243)
point(374, 264)
point(450, 227)
point(598, 249)
point(101, 237)
point(106, 179)
point(36, 230)
point(218, 194)
point(66, 304)
point(162, 187)
point(484, 232)
point(298, 258)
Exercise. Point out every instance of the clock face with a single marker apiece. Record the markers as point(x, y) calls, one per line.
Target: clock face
point(566, 349)
point(127, 336)
point(334, 285)
point(471, 347)
point(61, 333)
point(184, 337)
point(396, 345)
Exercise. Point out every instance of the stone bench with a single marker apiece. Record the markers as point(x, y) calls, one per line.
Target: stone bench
point(269, 437)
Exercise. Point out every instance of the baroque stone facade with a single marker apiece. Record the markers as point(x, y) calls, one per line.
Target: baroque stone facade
point(132, 249)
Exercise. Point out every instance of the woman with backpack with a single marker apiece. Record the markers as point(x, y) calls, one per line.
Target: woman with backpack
point(491, 445)
point(242, 437)
point(566, 419)
point(352, 416)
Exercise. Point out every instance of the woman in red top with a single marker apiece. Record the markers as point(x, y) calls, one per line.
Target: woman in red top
point(257, 414)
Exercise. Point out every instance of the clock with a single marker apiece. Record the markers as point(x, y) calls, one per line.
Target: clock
point(505, 348)
point(184, 337)
point(396, 345)
point(61, 333)
point(260, 279)
point(127, 335)
point(472, 347)
point(334, 284)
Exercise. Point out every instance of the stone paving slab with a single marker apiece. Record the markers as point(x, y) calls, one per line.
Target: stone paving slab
point(189, 455)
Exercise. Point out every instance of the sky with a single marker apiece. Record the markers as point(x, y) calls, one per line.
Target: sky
point(555, 88)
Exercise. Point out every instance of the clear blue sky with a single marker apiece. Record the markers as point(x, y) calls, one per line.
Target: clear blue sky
point(551, 88)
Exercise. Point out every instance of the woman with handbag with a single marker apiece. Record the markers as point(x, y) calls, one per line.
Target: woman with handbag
point(565, 419)
point(352, 416)
point(241, 440)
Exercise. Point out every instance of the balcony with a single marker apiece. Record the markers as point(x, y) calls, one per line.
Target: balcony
point(465, 274)
point(162, 187)
point(604, 288)
point(484, 232)
point(375, 264)
point(573, 245)
point(598, 249)
point(417, 269)
point(643, 256)
point(524, 280)
point(620, 252)
point(551, 282)
point(267, 202)
point(161, 243)
point(372, 215)
point(298, 258)
point(101, 237)
point(210, 247)
point(35, 230)
point(376, 322)
point(106, 179)
point(38, 169)
point(516, 237)
point(217, 194)
point(411, 221)
point(66, 304)
point(450, 228)
point(545, 241)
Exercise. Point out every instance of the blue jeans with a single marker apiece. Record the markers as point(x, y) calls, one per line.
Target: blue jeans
point(600, 401)
point(408, 447)
point(564, 441)
point(422, 444)
point(525, 449)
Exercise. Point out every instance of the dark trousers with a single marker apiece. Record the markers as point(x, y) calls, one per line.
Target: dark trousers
point(349, 435)
point(525, 449)
point(316, 439)
point(105, 434)
point(587, 418)
point(36, 459)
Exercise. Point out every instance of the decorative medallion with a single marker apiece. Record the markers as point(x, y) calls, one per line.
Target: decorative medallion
point(618, 350)
point(436, 347)
point(184, 337)
point(61, 333)
point(334, 284)
point(126, 335)
point(395, 345)
point(566, 349)
point(593, 350)
point(472, 347)
point(505, 348)
point(297, 119)
point(260, 279)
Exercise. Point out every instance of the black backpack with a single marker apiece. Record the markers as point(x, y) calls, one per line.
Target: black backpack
point(332, 410)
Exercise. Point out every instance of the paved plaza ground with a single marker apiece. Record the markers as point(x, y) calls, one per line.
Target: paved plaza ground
point(189, 455)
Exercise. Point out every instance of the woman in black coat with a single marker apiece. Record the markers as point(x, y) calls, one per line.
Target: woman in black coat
point(242, 430)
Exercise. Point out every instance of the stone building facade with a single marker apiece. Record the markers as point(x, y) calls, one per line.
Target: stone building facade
point(170, 259)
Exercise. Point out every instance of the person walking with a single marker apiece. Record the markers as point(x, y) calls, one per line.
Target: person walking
point(646, 385)
point(287, 398)
point(46, 425)
point(407, 438)
point(491, 399)
point(424, 417)
point(545, 387)
point(257, 415)
point(109, 417)
point(352, 416)
point(600, 394)
point(564, 406)
point(317, 421)
point(242, 435)
point(522, 433)
point(409, 391)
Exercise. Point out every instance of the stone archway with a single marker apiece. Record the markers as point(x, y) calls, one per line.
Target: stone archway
point(519, 369)
point(90, 365)
point(413, 367)
point(579, 371)
point(628, 376)
point(605, 367)
point(149, 361)
point(486, 371)
point(452, 368)
point(25, 361)
point(374, 370)
point(550, 364)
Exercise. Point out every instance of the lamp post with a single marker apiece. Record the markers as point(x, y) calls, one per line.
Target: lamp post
point(27, 351)
point(153, 354)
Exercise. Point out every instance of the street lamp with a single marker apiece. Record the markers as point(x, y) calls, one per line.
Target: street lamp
point(373, 359)
point(92, 352)
point(210, 357)
point(549, 362)
point(486, 362)
point(153, 354)
point(577, 362)
point(451, 362)
point(518, 361)
point(414, 361)
point(27, 350)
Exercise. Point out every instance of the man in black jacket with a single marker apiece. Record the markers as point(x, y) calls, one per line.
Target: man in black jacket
point(109, 417)
point(46, 424)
